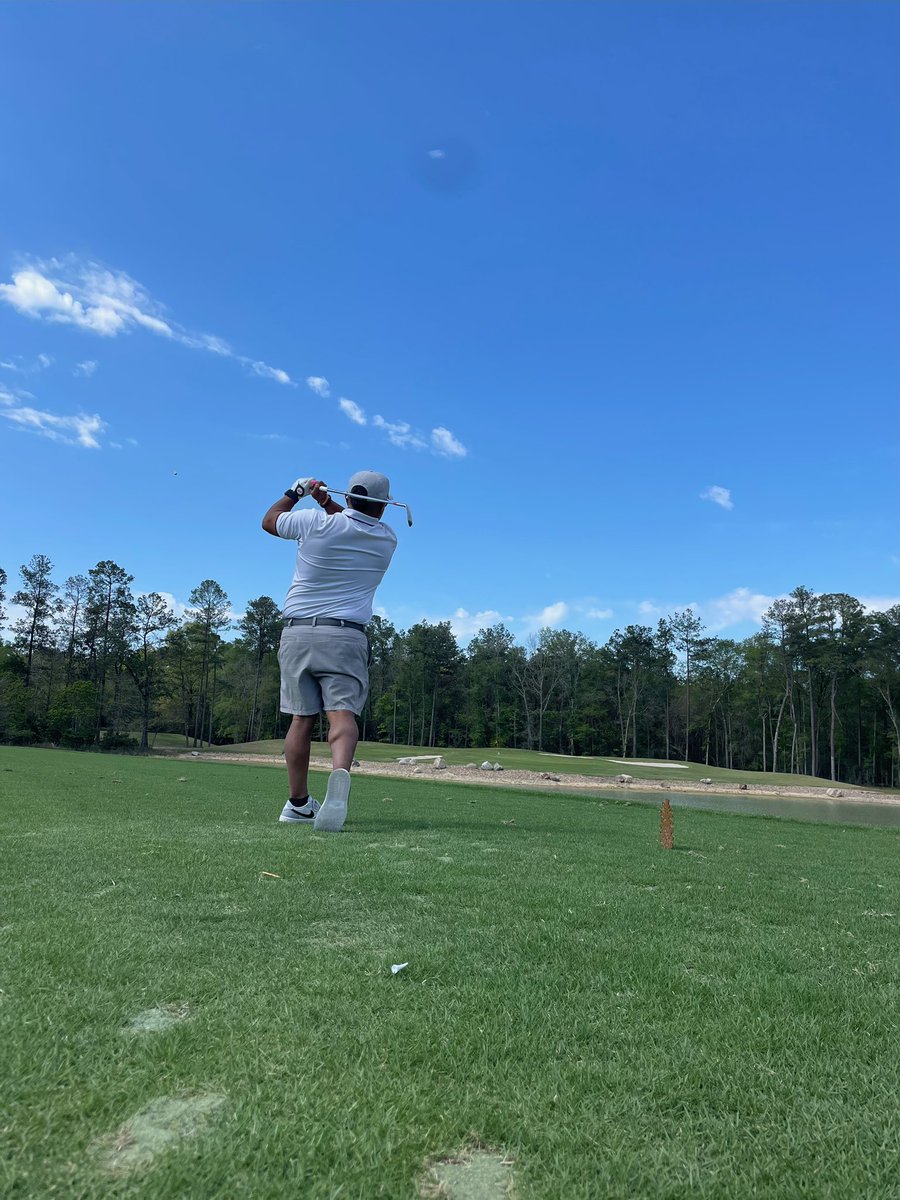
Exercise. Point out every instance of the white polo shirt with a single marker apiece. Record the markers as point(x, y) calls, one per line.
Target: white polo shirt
point(341, 560)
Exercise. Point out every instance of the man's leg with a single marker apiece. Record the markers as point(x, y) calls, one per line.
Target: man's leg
point(297, 746)
point(343, 735)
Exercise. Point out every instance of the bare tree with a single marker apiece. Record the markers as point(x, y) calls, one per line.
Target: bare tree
point(536, 674)
point(776, 624)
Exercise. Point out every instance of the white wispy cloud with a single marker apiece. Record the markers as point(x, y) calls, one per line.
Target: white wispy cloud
point(599, 614)
point(547, 618)
point(718, 495)
point(444, 443)
point(352, 410)
point(744, 605)
point(465, 624)
point(400, 433)
point(879, 603)
point(106, 302)
point(91, 298)
point(18, 364)
point(267, 372)
point(648, 609)
point(86, 368)
point(741, 605)
point(319, 385)
point(437, 153)
point(80, 429)
point(177, 607)
point(735, 607)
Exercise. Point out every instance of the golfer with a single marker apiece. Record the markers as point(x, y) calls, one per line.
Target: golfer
point(342, 555)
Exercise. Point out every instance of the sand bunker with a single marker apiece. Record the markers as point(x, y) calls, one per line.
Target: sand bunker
point(630, 762)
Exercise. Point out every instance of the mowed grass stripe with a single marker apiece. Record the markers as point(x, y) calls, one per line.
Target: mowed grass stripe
point(719, 1020)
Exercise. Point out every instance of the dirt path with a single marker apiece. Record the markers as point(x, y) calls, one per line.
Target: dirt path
point(547, 781)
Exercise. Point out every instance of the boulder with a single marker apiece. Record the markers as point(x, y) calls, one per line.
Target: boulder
point(439, 764)
point(742, 788)
point(417, 770)
point(486, 766)
point(706, 781)
point(834, 793)
point(356, 763)
point(624, 778)
point(497, 767)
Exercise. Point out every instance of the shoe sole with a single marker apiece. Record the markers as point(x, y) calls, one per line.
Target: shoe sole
point(296, 820)
point(331, 816)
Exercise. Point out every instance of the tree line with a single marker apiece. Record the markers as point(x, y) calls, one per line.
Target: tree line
point(817, 691)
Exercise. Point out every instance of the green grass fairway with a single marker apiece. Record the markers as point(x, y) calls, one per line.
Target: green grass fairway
point(557, 764)
point(169, 741)
point(620, 1021)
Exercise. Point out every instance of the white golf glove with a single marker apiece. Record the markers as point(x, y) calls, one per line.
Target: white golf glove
point(301, 487)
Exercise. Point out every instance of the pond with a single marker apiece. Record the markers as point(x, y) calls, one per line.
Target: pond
point(796, 808)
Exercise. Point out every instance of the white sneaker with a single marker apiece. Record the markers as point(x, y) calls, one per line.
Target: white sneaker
point(333, 813)
point(303, 816)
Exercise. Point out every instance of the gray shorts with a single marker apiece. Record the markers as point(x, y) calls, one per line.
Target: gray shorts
point(323, 667)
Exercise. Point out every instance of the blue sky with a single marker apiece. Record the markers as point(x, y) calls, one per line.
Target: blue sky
point(611, 289)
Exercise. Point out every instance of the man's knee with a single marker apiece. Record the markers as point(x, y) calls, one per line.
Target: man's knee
point(302, 727)
point(341, 722)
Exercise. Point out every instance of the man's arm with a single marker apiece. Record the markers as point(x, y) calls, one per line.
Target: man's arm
point(282, 505)
point(299, 489)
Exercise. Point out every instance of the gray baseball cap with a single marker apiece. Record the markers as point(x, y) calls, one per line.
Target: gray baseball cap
point(375, 485)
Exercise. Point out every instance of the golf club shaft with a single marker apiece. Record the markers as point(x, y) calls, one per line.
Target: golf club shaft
point(371, 500)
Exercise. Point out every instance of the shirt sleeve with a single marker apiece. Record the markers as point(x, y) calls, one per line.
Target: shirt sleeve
point(297, 525)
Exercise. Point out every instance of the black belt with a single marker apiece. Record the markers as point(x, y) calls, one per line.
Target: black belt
point(339, 621)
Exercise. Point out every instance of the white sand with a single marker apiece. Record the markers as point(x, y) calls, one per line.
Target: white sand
point(630, 762)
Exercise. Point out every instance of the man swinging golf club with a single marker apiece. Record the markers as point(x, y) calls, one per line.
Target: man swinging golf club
point(342, 556)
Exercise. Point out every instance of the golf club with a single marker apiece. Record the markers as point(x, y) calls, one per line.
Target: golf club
point(372, 500)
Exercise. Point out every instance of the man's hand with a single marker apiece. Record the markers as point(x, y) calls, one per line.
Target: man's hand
point(321, 497)
point(301, 487)
point(318, 493)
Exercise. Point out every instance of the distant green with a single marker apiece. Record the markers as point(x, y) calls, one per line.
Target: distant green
point(717, 1021)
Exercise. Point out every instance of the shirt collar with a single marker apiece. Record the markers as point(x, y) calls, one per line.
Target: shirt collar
point(353, 515)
